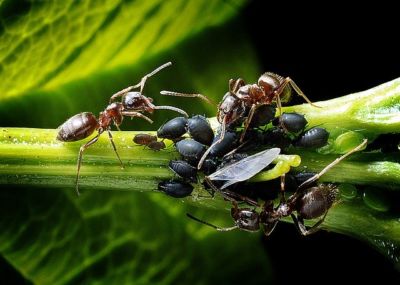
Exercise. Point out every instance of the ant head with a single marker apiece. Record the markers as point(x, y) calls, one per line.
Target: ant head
point(135, 101)
point(229, 109)
point(269, 82)
point(246, 219)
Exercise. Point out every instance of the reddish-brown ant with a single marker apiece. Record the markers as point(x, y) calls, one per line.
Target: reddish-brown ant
point(308, 202)
point(133, 104)
point(242, 100)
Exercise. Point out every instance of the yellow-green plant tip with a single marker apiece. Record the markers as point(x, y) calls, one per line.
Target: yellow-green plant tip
point(282, 167)
point(293, 160)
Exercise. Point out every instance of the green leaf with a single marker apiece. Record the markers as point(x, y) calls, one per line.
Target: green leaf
point(118, 238)
point(61, 58)
point(51, 43)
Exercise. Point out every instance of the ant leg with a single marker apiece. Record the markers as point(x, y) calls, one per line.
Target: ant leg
point(180, 111)
point(211, 225)
point(147, 76)
point(329, 166)
point(120, 93)
point(136, 114)
point(283, 198)
point(234, 85)
point(248, 121)
point(298, 221)
point(80, 155)
point(296, 88)
point(235, 196)
point(115, 149)
point(211, 146)
point(269, 228)
point(279, 104)
point(299, 92)
point(190, 95)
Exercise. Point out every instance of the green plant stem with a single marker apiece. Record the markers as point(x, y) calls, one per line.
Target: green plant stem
point(34, 157)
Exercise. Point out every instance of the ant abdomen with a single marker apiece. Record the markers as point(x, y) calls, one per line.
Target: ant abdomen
point(316, 201)
point(77, 127)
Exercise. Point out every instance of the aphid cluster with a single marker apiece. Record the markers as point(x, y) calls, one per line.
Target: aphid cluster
point(252, 133)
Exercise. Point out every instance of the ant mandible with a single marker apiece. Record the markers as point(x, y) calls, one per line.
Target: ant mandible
point(308, 202)
point(82, 125)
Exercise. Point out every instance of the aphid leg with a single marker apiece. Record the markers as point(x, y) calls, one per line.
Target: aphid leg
point(329, 166)
point(298, 221)
point(136, 114)
point(211, 225)
point(194, 95)
point(180, 111)
point(248, 121)
point(115, 149)
point(80, 155)
point(147, 76)
point(120, 93)
point(222, 135)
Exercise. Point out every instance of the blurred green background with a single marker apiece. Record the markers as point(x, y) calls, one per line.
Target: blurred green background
point(58, 58)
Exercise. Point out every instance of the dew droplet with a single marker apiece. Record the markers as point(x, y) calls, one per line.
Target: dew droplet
point(347, 191)
point(376, 199)
point(347, 141)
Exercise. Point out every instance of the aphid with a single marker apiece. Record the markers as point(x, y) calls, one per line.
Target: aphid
point(144, 139)
point(173, 129)
point(224, 146)
point(190, 150)
point(209, 166)
point(291, 122)
point(200, 130)
point(84, 124)
point(262, 116)
point(315, 137)
point(176, 189)
point(184, 170)
point(307, 202)
point(156, 145)
point(149, 141)
point(245, 168)
point(276, 137)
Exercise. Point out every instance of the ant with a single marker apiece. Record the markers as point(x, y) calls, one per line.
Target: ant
point(82, 125)
point(308, 202)
point(242, 100)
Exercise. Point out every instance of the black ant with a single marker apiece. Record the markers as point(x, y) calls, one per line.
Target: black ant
point(308, 202)
point(132, 105)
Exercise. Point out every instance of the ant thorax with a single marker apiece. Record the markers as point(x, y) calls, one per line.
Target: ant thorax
point(251, 94)
point(111, 114)
point(283, 210)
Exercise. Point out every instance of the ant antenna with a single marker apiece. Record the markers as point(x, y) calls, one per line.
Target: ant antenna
point(211, 225)
point(171, 109)
point(332, 164)
point(144, 78)
point(194, 95)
